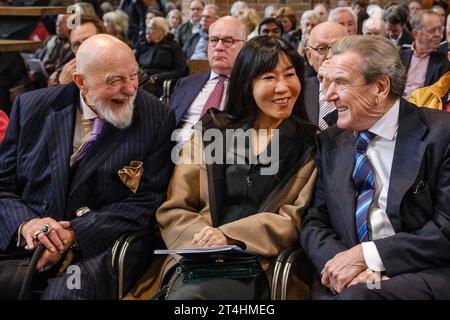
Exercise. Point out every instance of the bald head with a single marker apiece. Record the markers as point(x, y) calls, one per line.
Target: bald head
point(322, 37)
point(221, 57)
point(100, 51)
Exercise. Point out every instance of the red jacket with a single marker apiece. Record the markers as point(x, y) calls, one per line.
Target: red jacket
point(3, 124)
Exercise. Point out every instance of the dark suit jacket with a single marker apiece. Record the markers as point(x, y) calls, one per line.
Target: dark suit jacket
point(36, 180)
point(183, 33)
point(312, 103)
point(190, 44)
point(185, 92)
point(437, 66)
point(417, 205)
point(406, 38)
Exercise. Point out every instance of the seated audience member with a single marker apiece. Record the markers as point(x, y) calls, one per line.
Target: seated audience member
point(435, 96)
point(193, 25)
point(84, 8)
point(226, 38)
point(160, 57)
point(89, 26)
point(265, 88)
point(413, 7)
point(250, 19)
point(116, 24)
point(196, 46)
point(270, 11)
point(322, 11)
point(287, 17)
point(317, 109)
point(78, 146)
point(396, 18)
point(425, 64)
point(3, 124)
point(55, 52)
point(237, 8)
point(308, 21)
point(174, 19)
point(359, 7)
point(346, 17)
point(373, 27)
point(379, 223)
point(271, 27)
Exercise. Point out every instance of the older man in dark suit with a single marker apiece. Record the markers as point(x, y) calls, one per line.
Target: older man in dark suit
point(317, 109)
point(82, 164)
point(379, 224)
point(192, 94)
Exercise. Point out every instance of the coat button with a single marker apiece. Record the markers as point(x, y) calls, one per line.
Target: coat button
point(249, 182)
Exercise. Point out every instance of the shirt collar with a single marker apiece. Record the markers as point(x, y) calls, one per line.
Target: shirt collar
point(87, 112)
point(214, 75)
point(387, 125)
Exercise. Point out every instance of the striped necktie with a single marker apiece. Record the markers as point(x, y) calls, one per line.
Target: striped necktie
point(364, 179)
point(324, 109)
point(215, 97)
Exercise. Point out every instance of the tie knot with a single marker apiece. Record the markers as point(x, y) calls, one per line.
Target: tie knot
point(98, 125)
point(222, 78)
point(363, 139)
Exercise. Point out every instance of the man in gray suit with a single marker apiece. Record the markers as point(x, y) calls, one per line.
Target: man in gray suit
point(81, 165)
point(322, 37)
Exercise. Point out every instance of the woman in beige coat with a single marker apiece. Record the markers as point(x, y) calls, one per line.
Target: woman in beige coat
point(253, 203)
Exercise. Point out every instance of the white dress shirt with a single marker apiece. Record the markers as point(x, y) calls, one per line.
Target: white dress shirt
point(381, 153)
point(192, 115)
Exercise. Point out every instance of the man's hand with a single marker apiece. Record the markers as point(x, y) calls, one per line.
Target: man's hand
point(210, 237)
point(53, 241)
point(49, 258)
point(67, 71)
point(343, 269)
point(368, 277)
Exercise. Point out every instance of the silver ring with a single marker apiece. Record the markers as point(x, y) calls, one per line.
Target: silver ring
point(45, 229)
point(36, 234)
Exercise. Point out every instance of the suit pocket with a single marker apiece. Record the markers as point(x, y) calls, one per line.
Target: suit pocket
point(417, 207)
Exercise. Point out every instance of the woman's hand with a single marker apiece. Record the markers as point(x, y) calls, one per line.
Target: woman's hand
point(210, 237)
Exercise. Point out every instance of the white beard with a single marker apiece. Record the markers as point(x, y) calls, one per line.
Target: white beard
point(122, 118)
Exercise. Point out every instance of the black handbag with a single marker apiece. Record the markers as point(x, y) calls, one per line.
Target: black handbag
point(16, 273)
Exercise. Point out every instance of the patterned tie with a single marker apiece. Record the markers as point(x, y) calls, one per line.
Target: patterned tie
point(324, 109)
point(364, 179)
point(215, 97)
point(96, 130)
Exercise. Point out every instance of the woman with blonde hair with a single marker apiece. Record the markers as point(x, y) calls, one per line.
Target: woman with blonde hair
point(174, 19)
point(251, 20)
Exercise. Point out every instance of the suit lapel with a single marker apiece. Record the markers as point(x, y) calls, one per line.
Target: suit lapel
point(59, 129)
point(96, 155)
point(341, 158)
point(188, 96)
point(408, 155)
point(312, 99)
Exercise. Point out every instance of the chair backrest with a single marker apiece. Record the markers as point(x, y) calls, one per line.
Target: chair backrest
point(198, 66)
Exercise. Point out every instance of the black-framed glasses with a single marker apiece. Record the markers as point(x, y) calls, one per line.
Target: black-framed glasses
point(323, 49)
point(226, 42)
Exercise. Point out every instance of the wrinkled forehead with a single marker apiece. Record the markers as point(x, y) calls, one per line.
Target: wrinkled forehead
point(345, 65)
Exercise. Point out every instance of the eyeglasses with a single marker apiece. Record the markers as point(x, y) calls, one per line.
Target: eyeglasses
point(437, 30)
point(321, 49)
point(226, 42)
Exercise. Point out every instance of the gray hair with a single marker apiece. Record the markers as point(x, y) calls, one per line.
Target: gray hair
point(160, 23)
point(238, 7)
point(215, 8)
point(333, 13)
point(118, 19)
point(380, 57)
point(417, 21)
point(309, 14)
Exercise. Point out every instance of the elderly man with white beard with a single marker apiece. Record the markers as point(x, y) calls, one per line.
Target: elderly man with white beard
point(81, 165)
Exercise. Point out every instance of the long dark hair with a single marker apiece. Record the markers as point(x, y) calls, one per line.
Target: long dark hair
point(258, 56)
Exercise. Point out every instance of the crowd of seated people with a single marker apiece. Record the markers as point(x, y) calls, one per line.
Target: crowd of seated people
point(352, 103)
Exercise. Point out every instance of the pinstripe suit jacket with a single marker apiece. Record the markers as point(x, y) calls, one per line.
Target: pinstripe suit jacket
point(36, 180)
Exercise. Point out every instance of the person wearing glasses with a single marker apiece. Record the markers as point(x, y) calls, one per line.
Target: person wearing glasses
point(321, 38)
point(190, 95)
point(424, 63)
point(259, 210)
